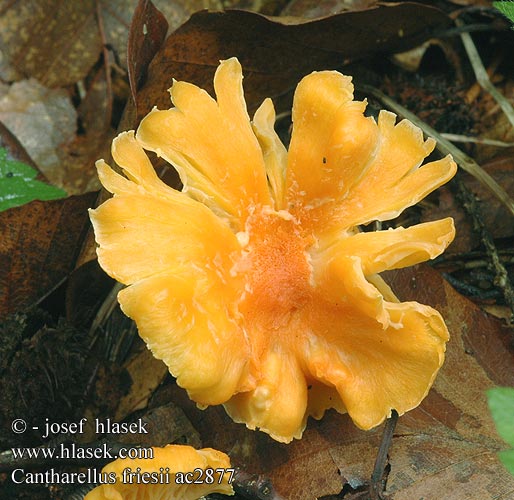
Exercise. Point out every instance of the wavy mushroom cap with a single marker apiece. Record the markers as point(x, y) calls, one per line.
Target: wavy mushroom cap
point(160, 474)
point(254, 283)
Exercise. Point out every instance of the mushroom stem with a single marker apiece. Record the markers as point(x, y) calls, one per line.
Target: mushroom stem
point(377, 483)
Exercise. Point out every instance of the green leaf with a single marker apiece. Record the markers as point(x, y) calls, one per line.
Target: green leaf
point(507, 459)
point(501, 404)
point(18, 185)
point(506, 8)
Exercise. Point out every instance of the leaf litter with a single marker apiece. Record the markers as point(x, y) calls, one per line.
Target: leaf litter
point(43, 120)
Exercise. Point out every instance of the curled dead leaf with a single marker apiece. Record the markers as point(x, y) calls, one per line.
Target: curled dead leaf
point(286, 49)
point(38, 248)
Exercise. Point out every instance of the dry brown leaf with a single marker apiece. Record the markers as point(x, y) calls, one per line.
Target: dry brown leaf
point(276, 52)
point(146, 373)
point(164, 425)
point(58, 42)
point(40, 242)
point(147, 32)
point(42, 120)
point(68, 41)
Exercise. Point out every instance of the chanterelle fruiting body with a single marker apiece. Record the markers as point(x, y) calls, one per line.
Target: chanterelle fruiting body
point(177, 472)
point(254, 284)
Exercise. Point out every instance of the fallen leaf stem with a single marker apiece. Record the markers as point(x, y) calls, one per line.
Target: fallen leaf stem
point(472, 260)
point(477, 140)
point(377, 482)
point(482, 76)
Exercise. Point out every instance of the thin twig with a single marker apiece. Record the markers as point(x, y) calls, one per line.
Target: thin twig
point(475, 292)
point(482, 76)
point(477, 140)
point(444, 146)
point(377, 484)
point(106, 309)
point(472, 260)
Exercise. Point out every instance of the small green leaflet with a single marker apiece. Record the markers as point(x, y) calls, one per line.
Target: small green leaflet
point(506, 8)
point(18, 185)
point(501, 404)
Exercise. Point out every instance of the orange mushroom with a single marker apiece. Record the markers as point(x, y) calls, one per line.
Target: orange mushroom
point(254, 284)
point(175, 471)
